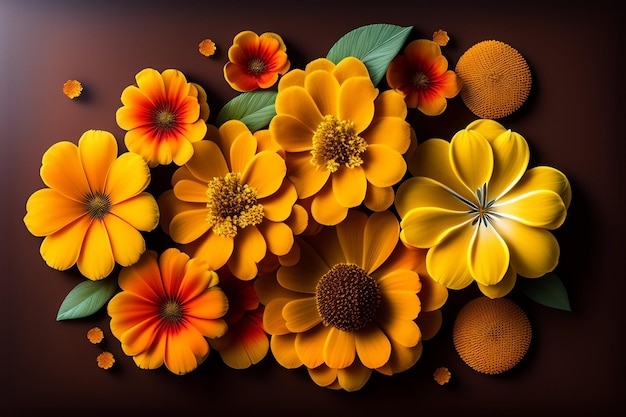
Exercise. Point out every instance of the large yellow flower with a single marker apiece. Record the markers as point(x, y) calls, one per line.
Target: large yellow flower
point(95, 208)
point(163, 115)
point(349, 306)
point(344, 141)
point(167, 308)
point(231, 203)
point(484, 216)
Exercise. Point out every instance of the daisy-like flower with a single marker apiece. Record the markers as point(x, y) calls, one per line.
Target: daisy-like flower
point(245, 342)
point(168, 307)
point(95, 208)
point(484, 216)
point(161, 115)
point(344, 142)
point(350, 305)
point(255, 61)
point(421, 73)
point(231, 202)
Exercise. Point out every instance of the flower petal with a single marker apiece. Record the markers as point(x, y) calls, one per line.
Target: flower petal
point(304, 275)
point(425, 227)
point(541, 178)
point(488, 256)
point(61, 169)
point(189, 225)
point(284, 351)
point(214, 248)
point(502, 288)
point(310, 345)
point(356, 102)
point(383, 165)
point(511, 155)
point(97, 150)
point(354, 377)
point(372, 346)
point(381, 235)
point(96, 259)
point(250, 248)
point(301, 314)
point(278, 206)
point(427, 192)
point(325, 208)
point(61, 250)
point(207, 162)
point(129, 175)
point(378, 198)
point(324, 89)
point(447, 262)
point(141, 212)
point(471, 158)
point(339, 348)
point(185, 350)
point(393, 132)
point(48, 211)
point(323, 375)
point(278, 236)
point(305, 177)
point(265, 172)
point(540, 208)
point(349, 186)
point(127, 243)
point(297, 103)
point(351, 234)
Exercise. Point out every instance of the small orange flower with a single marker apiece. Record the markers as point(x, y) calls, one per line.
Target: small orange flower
point(255, 61)
point(441, 37)
point(442, 375)
point(207, 47)
point(72, 88)
point(95, 335)
point(421, 73)
point(105, 360)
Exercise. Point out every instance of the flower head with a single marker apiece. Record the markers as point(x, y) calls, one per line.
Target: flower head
point(95, 335)
point(440, 37)
point(231, 203)
point(442, 375)
point(105, 360)
point(72, 88)
point(94, 209)
point(421, 73)
point(484, 216)
point(161, 115)
point(354, 303)
point(255, 61)
point(167, 308)
point(344, 142)
point(206, 47)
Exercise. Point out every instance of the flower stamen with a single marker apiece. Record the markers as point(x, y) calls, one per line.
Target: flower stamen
point(172, 311)
point(164, 118)
point(335, 142)
point(256, 66)
point(98, 205)
point(420, 80)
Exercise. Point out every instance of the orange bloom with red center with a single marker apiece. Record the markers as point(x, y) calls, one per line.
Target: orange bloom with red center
point(255, 61)
point(421, 73)
point(163, 115)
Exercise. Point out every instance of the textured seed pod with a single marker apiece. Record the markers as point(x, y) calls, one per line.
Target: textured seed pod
point(496, 79)
point(491, 335)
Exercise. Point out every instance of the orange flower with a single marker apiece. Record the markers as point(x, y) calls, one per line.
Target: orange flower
point(421, 73)
point(162, 117)
point(167, 308)
point(442, 375)
point(255, 61)
point(105, 360)
point(207, 47)
point(441, 38)
point(72, 88)
point(95, 335)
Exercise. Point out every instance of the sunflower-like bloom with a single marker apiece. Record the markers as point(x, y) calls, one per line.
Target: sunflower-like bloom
point(167, 308)
point(231, 202)
point(255, 61)
point(484, 216)
point(358, 300)
point(344, 142)
point(162, 116)
point(94, 209)
point(245, 342)
point(421, 73)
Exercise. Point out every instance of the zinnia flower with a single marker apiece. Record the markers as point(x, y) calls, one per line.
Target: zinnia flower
point(230, 202)
point(484, 216)
point(95, 208)
point(421, 73)
point(255, 61)
point(349, 306)
point(167, 308)
point(161, 116)
point(344, 142)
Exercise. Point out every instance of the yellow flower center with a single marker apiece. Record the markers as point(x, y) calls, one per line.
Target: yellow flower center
point(232, 205)
point(256, 66)
point(335, 142)
point(165, 118)
point(420, 80)
point(98, 205)
point(347, 298)
point(172, 311)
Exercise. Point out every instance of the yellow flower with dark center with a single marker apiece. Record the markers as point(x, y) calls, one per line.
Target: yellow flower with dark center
point(358, 300)
point(95, 208)
point(231, 202)
point(344, 142)
point(481, 213)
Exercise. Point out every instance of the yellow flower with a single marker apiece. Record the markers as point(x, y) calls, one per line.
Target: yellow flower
point(94, 209)
point(344, 142)
point(230, 202)
point(161, 116)
point(105, 360)
point(95, 335)
point(484, 216)
point(167, 308)
point(206, 47)
point(72, 88)
point(358, 300)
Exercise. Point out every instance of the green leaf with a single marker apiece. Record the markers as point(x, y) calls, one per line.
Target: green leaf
point(86, 298)
point(254, 108)
point(547, 290)
point(376, 45)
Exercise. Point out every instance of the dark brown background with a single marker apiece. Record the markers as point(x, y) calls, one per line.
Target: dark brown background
point(575, 366)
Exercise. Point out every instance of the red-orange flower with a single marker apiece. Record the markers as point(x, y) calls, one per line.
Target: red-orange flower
point(421, 73)
point(255, 61)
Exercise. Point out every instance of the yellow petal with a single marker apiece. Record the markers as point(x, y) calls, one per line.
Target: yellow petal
point(399, 280)
point(278, 206)
point(141, 336)
point(427, 192)
point(447, 262)
point(354, 377)
point(250, 248)
point(305, 177)
point(214, 248)
point(301, 314)
point(356, 102)
point(265, 173)
point(425, 227)
point(390, 103)
point(323, 375)
point(324, 89)
point(325, 208)
point(383, 165)
point(210, 304)
point(393, 132)
point(127, 243)
point(432, 294)
point(191, 191)
point(304, 275)
point(298, 103)
point(511, 156)
point(541, 208)
point(402, 331)
point(189, 225)
point(339, 348)
point(185, 350)
point(129, 175)
point(372, 346)
point(351, 234)
point(403, 305)
point(378, 198)
point(291, 133)
point(142, 212)
point(62, 170)
point(284, 351)
point(402, 358)
point(207, 162)
point(488, 256)
point(349, 186)
point(60, 250)
point(273, 320)
point(429, 323)
point(488, 128)
point(47, 211)
point(310, 346)
point(502, 288)
point(278, 236)
point(97, 150)
point(242, 150)
point(96, 256)
point(348, 68)
point(542, 178)
point(471, 158)
point(381, 235)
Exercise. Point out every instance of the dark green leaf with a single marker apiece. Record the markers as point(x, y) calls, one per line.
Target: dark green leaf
point(547, 290)
point(254, 108)
point(86, 298)
point(376, 45)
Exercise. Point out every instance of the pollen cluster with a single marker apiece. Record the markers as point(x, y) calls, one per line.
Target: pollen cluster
point(335, 142)
point(98, 205)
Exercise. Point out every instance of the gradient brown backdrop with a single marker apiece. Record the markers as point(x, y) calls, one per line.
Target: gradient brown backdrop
point(575, 366)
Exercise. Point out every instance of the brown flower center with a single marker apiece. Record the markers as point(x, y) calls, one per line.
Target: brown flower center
point(256, 66)
point(164, 118)
point(420, 80)
point(347, 298)
point(172, 311)
point(335, 142)
point(232, 205)
point(98, 205)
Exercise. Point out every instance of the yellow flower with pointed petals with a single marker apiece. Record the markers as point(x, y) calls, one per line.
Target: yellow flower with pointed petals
point(484, 216)
point(231, 203)
point(95, 208)
point(344, 142)
point(358, 300)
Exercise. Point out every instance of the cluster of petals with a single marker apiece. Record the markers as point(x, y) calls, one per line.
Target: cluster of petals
point(484, 216)
point(94, 207)
point(255, 61)
point(421, 74)
point(167, 308)
point(232, 151)
point(389, 340)
point(360, 164)
point(163, 115)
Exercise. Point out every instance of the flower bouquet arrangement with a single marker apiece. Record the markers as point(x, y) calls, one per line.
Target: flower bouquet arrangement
point(306, 221)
